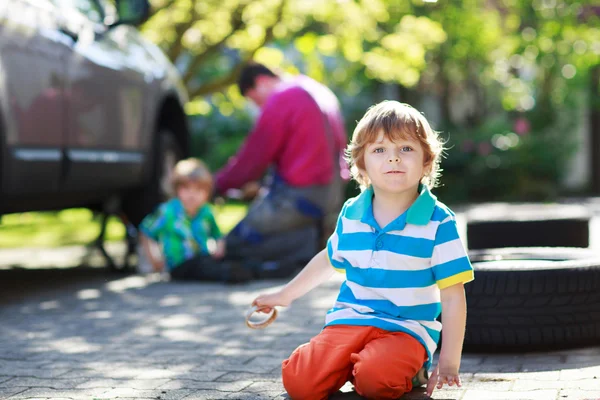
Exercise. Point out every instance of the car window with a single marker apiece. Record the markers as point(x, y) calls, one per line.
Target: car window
point(89, 8)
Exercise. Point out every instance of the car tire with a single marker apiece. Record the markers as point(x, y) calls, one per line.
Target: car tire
point(533, 298)
point(527, 225)
point(143, 201)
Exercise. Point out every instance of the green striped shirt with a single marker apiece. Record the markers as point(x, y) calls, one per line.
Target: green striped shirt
point(180, 237)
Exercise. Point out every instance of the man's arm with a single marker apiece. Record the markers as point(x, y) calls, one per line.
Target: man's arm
point(257, 152)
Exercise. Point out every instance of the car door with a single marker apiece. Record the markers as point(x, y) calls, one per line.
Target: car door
point(33, 51)
point(106, 101)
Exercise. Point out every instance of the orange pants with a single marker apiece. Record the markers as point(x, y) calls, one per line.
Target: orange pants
point(379, 363)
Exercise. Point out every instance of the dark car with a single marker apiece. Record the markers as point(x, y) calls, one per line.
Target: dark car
point(91, 113)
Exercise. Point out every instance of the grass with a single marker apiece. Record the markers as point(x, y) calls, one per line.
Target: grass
point(77, 226)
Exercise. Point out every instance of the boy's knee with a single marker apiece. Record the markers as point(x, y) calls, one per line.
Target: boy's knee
point(371, 380)
point(296, 378)
point(300, 379)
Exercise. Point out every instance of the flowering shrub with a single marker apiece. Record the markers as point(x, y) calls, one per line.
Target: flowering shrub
point(507, 159)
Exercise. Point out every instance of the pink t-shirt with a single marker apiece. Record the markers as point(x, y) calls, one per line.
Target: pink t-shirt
point(290, 135)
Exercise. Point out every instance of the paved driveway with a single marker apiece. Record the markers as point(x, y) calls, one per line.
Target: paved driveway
point(81, 333)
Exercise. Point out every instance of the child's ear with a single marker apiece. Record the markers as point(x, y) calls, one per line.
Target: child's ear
point(363, 175)
point(427, 168)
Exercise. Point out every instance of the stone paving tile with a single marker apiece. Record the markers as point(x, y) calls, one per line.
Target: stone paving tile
point(54, 383)
point(576, 394)
point(216, 386)
point(513, 376)
point(46, 393)
point(123, 383)
point(143, 393)
point(252, 396)
point(265, 387)
point(132, 338)
point(33, 372)
point(165, 373)
point(238, 376)
point(5, 392)
point(581, 373)
point(510, 395)
point(210, 395)
point(493, 383)
point(491, 368)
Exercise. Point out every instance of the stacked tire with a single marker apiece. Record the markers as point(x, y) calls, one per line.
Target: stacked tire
point(533, 299)
point(537, 284)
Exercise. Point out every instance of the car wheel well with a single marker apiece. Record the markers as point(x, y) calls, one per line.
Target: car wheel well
point(172, 116)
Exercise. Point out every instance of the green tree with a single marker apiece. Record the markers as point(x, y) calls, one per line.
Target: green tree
point(210, 40)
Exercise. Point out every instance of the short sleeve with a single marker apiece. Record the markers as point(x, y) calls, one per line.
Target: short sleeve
point(450, 262)
point(336, 261)
point(154, 224)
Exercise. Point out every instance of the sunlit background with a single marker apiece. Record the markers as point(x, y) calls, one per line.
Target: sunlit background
point(512, 85)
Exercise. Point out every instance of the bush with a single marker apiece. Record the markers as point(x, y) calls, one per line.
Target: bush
point(503, 160)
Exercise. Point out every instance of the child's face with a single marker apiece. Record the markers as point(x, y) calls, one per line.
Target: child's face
point(394, 167)
point(192, 196)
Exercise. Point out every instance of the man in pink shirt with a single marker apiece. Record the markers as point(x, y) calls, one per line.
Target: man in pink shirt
point(300, 136)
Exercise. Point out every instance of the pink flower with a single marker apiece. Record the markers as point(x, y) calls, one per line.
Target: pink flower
point(521, 126)
point(484, 148)
point(467, 146)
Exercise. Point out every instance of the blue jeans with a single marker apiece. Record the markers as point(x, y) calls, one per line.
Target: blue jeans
point(285, 225)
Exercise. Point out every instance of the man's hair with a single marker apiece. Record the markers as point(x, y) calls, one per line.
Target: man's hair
point(248, 75)
point(192, 170)
point(397, 121)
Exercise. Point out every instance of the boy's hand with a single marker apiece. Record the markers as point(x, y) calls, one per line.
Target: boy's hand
point(441, 375)
point(158, 266)
point(220, 250)
point(266, 302)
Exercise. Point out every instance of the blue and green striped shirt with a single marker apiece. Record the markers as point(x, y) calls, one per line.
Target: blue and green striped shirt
point(180, 237)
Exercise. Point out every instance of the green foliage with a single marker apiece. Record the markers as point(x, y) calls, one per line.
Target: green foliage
point(492, 162)
point(78, 227)
point(481, 65)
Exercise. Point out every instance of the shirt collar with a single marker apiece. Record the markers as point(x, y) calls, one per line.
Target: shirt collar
point(419, 213)
point(178, 205)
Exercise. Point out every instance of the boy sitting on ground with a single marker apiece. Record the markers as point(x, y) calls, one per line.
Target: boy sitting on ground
point(184, 229)
point(404, 263)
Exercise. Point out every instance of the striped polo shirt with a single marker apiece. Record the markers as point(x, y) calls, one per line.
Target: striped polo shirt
point(394, 274)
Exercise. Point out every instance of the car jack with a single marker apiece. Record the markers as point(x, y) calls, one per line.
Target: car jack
point(112, 208)
point(130, 239)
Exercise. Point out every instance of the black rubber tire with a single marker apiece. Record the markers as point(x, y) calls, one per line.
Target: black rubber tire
point(533, 299)
point(141, 202)
point(527, 225)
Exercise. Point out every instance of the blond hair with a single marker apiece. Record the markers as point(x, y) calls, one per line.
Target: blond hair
point(398, 121)
point(192, 170)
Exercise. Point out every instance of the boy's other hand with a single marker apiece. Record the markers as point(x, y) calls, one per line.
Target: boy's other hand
point(266, 302)
point(158, 266)
point(443, 375)
point(219, 252)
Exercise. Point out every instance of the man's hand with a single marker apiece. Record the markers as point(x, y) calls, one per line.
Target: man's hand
point(441, 375)
point(250, 190)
